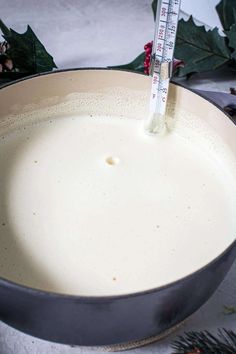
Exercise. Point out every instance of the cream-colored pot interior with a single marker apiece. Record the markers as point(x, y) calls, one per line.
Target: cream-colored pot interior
point(92, 205)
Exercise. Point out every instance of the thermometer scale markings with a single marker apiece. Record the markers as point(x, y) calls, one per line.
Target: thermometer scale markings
point(163, 52)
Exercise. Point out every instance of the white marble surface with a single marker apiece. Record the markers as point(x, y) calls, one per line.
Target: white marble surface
point(100, 33)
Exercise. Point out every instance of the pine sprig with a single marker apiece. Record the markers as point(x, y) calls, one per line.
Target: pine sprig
point(206, 343)
point(229, 310)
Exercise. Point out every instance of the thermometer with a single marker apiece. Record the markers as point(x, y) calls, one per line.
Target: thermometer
point(162, 60)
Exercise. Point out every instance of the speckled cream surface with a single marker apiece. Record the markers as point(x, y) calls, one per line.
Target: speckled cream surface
point(91, 205)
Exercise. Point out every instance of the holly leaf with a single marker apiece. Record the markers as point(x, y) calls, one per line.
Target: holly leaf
point(135, 65)
point(26, 51)
point(199, 49)
point(154, 8)
point(4, 29)
point(226, 10)
point(231, 34)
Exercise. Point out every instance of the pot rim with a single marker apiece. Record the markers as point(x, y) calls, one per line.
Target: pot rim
point(96, 298)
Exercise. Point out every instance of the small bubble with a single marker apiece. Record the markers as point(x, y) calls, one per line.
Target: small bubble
point(157, 226)
point(114, 278)
point(112, 160)
point(35, 161)
point(34, 213)
point(189, 207)
point(91, 115)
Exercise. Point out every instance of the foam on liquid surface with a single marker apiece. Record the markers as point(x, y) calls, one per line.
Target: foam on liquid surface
point(90, 205)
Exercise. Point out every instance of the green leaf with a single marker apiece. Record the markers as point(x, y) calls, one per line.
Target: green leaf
point(226, 10)
point(231, 34)
point(4, 29)
point(154, 8)
point(27, 52)
point(135, 65)
point(229, 310)
point(200, 50)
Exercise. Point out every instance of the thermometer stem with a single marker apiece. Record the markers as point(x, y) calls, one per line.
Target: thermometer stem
point(162, 58)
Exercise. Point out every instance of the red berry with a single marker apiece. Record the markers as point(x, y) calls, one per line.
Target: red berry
point(147, 61)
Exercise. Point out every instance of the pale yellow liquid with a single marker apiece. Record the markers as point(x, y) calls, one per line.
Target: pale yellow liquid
point(94, 206)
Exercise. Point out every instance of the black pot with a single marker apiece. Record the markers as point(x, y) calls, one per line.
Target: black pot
point(108, 320)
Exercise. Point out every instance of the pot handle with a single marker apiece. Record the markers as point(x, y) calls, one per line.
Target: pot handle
point(226, 101)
